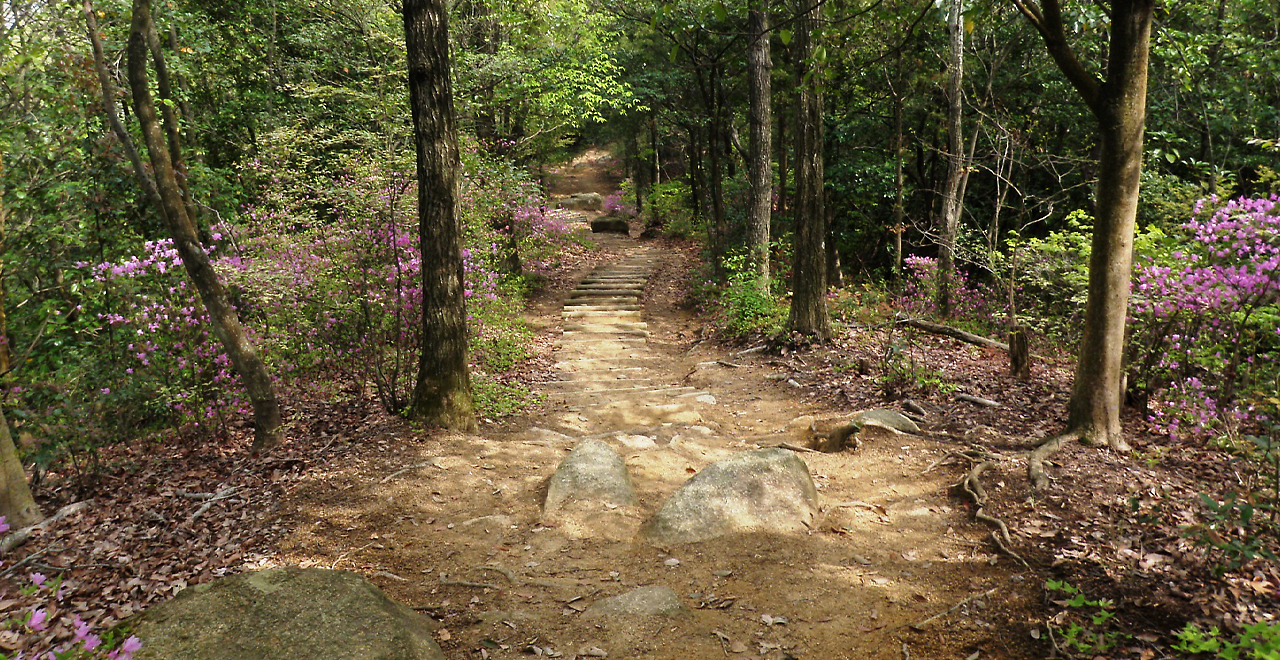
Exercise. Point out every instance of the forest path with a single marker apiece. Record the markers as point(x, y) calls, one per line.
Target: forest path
point(452, 524)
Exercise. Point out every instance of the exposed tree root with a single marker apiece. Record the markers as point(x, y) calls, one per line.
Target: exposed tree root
point(1035, 460)
point(973, 488)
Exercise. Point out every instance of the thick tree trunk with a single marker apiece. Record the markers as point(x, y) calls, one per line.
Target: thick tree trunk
point(5, 352)
point(222, 315)
point(1119, 103)
point(442, 396)
point(949, 225)
point(808, 314)
point(760, 137)
point(16, 503)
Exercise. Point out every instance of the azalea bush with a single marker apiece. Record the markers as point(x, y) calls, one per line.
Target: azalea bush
point(1206, 321)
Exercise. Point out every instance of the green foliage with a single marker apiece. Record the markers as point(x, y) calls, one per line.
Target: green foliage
point(494, 398)
point(1258, 641)
point(748, 306)
point(1245, 526)
point(668, 207)
point(1088, 623)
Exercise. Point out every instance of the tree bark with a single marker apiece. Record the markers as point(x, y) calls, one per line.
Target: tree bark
point(760, 138)
point(222, 315)
point(1119, 104)
point(112, 111)
point(16, 503)
point(808, 314)
point(949, 225)
point(442, 395)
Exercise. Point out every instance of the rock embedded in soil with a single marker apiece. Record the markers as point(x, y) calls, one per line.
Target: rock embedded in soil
point(610, 226)
point(585, 201)
point(592, 472)
point(884, 418)
point(285, 614)
point(652, 601)
point(762, 490)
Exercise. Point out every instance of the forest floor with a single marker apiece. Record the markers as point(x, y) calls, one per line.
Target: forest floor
point(895, 567)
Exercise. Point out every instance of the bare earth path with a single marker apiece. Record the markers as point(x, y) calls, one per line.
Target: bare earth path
point(452, 524)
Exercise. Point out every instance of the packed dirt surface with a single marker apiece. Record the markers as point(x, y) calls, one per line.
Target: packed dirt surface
point(453, 524)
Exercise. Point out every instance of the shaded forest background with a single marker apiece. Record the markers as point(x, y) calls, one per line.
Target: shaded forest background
point(297, 165)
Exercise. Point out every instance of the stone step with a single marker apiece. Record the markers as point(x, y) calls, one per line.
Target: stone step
point(629, 301)
point(605, 363)
point(632, 392)
point(602, 325)
point(604, 335)
point(593, 293)
point(603, 308)
point(579, 386)
point(631, 316)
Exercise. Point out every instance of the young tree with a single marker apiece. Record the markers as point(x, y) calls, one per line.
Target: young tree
point(808, 314)
point(174, 209)
point(442, 396)
point(760, 137)
point(1119, 104)
point(952, 202)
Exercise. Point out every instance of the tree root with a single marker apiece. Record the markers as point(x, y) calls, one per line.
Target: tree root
point(973, 488)
point(1035, 460)
point(18, 537)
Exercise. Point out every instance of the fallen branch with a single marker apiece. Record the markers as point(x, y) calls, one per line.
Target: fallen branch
point(788, 445)
point(1035, 460)
point(465, 583)
point(220, 495)
point(401, 471)
point(21, 536)
point(954, 333)
point(919, 625)
point(987, 403)
point(726, 363)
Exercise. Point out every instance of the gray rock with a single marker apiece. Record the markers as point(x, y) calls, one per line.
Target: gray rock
point(582, 202)
point(765, 490)
point(610, 226)
point(645, 601)
point(285, 614)
point(884, 418)
point(592, 471)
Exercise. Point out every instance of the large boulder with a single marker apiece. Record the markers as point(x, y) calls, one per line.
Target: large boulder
point(763, 490)
point(285, 614)
point(610, 226)
point(582, 202)
point(592, 472)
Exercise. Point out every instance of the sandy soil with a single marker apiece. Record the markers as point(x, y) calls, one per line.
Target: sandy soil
point(452, 524)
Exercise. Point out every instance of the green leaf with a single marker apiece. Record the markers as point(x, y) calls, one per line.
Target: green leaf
point(820, 54)
point(1170, 157)
point(720, 12)
point(785, 37)
point(675, 52)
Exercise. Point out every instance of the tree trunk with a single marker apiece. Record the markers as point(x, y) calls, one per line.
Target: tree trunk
point(112, 111)
point(442, 396)
point(1119, 104)
point(5, 360)
point(808, 314)
point(949, 226)
point(222, 315)
point(760, 137)
point(16, 503)
point(899, 210)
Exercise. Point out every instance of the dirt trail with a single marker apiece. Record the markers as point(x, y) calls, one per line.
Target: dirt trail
point(452, 525)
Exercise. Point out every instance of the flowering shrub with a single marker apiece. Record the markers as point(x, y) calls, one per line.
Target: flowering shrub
point(1206, 322)
point(974, 304)
point(47, 636)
